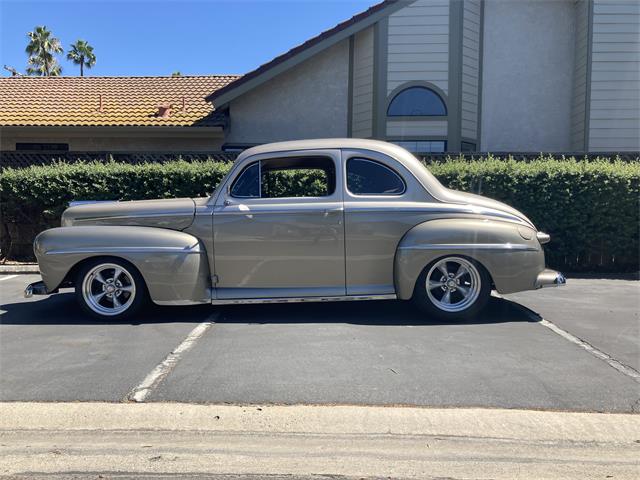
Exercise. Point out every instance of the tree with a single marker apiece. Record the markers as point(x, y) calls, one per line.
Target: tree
point(81, 53)
point(176, 74)
point(42, 48)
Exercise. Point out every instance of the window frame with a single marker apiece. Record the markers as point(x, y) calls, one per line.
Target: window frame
point(239, 176)
point(408, 86)
point(384, 165)
point(329, 158)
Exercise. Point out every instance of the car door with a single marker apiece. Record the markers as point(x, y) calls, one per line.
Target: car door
point(279, 228)
point(382, 201)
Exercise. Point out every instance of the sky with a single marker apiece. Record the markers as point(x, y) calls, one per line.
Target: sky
point(151, 37)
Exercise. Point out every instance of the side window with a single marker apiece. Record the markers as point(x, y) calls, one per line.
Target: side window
point(296, 182)
point(247, 185)
point(366, 177)
point(290, 177)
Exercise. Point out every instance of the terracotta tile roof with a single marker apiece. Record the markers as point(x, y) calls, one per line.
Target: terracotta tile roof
point(126, 101)
point(304, 46)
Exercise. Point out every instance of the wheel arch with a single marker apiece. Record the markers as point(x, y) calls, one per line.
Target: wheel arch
point(511, 261)
point(173, 264)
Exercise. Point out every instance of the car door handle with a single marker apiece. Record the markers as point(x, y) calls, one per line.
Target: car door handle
point(329, 211)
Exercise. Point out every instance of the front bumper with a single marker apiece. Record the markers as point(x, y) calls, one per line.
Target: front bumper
point(37, 288)
point(550, 278)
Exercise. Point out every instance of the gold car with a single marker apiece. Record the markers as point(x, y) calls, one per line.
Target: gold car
point(370, 223)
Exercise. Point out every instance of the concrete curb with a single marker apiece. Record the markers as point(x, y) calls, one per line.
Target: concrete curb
point(308, 440)
point(29, 268)
point(331, 419)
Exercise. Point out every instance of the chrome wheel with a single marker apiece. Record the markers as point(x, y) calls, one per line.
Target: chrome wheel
point(108, 289)
point(453, 284)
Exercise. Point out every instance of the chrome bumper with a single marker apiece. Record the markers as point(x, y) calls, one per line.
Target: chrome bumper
point(550, 278)
point(37, 288)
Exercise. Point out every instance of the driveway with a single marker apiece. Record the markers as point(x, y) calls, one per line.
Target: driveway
point(581, 357)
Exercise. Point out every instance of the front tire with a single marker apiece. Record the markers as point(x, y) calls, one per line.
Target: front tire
point(110, 288)
point(452, 288)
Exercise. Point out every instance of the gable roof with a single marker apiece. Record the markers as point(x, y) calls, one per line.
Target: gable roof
point(126, 101)
point(305, 50)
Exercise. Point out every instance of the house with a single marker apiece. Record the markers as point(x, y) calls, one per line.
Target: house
point(430, 75)
point(459, 75)
point(113, 114)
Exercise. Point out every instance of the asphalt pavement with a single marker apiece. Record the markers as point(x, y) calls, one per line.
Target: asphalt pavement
point(365, 353)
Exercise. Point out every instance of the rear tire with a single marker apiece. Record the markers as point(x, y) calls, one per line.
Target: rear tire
point(110, 288)
point(452, 288)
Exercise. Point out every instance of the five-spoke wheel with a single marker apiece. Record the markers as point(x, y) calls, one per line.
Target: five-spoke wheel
point(109, 288)
point(452, 287)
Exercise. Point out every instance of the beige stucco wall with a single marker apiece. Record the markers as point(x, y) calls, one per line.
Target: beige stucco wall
point(528, 67)
point(308, 101)
point(115, 139)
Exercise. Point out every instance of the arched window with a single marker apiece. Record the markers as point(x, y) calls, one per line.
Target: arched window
point(417, 102)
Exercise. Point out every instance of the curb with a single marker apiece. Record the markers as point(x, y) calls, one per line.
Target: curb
point(26, 269)
point(165, 440)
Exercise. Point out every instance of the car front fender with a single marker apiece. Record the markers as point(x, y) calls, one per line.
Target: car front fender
point(510, 252)
point(173, 264)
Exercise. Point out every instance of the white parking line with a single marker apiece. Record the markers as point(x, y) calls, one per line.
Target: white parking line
point(8, 277)
point(621, 367)
point(158, 374)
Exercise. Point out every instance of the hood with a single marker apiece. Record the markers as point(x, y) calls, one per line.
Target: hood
point(494, 206)
point(174, 213)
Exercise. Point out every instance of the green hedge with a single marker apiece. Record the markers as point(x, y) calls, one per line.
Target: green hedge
point(590, 208)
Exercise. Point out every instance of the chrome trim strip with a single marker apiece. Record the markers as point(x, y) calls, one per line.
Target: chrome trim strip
point(185, 250)
point(471, 246)
point(180, 303)
point(75, 203)
point(451, 208)
point(179, 213)
point(344, 298)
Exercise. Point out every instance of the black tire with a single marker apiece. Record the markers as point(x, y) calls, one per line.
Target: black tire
point(130, 277)
point(429, 304)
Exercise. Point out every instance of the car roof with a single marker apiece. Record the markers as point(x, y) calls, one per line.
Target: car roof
point(326, 143)
point(406, 158)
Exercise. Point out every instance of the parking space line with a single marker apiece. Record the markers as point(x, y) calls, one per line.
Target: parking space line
point(160, 372)
point(8, 277)
point(621, 367)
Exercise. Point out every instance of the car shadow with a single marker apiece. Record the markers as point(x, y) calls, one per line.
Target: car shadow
point(62, 309)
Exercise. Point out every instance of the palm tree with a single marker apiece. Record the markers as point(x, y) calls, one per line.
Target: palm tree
point(41, 50)
point(81, 53)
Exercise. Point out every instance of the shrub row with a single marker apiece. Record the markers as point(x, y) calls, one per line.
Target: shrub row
point(590, 208)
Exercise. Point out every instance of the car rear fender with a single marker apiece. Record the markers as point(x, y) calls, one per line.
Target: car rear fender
point(510, 252)
point(173, 264)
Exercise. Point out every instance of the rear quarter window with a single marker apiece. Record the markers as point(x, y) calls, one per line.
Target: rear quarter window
point(368, 177)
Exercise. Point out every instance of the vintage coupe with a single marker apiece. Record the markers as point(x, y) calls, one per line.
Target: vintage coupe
point(378, 226)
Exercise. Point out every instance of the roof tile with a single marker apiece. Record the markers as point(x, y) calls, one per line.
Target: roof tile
point(126, 101)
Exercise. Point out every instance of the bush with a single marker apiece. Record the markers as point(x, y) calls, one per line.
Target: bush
point(590, 208)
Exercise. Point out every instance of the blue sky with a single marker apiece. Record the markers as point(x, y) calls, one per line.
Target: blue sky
point(151, 37)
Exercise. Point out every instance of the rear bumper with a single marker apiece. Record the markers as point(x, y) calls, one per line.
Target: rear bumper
point(550, 278)
point(37, 288)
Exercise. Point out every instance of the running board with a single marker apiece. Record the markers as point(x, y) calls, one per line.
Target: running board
point(344, 298)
